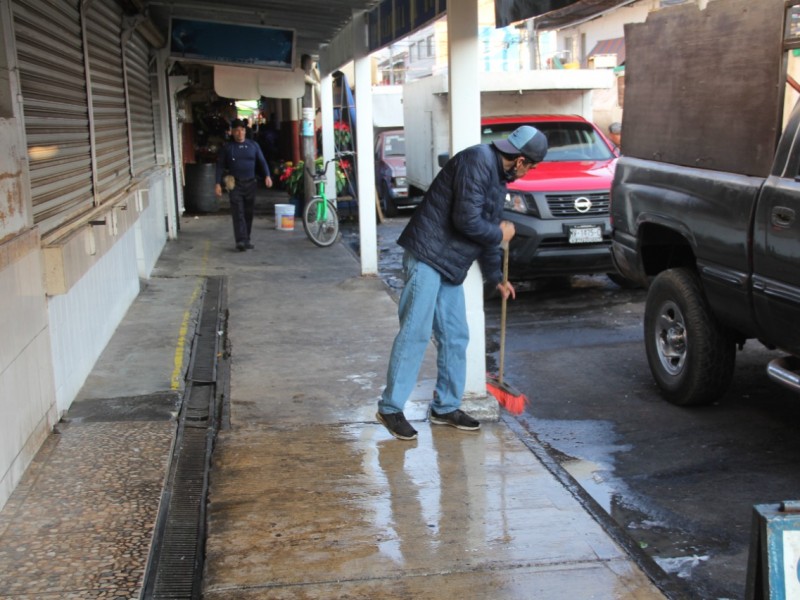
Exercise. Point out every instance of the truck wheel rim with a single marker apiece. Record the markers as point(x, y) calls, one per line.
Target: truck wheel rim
point(670, 334)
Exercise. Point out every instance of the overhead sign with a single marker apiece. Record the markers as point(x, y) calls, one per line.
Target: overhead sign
point(228, 43)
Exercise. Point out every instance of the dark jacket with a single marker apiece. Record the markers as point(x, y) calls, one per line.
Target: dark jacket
point(241, 160)
point(459, 217)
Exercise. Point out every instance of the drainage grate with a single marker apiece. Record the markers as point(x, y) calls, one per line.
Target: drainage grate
point(175, 565)
point(203, 365)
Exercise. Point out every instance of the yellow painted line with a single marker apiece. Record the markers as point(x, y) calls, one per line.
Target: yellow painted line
point(180, 349)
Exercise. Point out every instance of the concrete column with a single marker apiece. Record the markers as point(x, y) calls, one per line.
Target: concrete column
point(465, 117)
point(365, 161)
point(326, 113)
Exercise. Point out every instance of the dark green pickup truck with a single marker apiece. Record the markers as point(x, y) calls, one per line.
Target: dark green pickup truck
point(717, 243)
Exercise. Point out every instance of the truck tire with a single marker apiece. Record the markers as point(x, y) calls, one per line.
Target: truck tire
point(690, 354)
point(388, 205)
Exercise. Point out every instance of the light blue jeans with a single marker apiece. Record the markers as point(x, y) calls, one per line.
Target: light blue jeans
point(428, 305)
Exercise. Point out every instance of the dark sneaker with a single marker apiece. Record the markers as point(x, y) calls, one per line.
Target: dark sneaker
point(458, 419)
point(397, 425)
point(240, 246)
point(249, 246)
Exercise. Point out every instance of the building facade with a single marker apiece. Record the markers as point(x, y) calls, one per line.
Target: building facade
point(87, 193)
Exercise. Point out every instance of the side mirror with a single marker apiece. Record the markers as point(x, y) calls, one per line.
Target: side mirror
point(443, 158)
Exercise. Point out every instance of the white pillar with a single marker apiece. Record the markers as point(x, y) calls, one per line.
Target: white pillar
point(176, 208)
point(326, 112)
point(368, 233)
point(465, 118)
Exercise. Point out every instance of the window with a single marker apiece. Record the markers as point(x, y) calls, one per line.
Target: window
point(394, 145)
point(566, 141)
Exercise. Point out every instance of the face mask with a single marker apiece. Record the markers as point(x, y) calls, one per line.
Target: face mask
point(511, 174)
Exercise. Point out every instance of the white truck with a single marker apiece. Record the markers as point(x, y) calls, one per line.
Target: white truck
point(559, 209)
point(426, 115)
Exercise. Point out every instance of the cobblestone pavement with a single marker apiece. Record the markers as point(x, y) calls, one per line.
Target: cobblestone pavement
point(80, 523)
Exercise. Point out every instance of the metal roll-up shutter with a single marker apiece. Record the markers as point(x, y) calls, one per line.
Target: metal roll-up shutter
point(104, 29)
point(140, 100)
point(53, 84)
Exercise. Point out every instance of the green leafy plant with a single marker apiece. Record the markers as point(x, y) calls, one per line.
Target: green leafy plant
point(292, 176)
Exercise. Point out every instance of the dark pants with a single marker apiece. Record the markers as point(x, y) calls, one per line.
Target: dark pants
point(243, 198)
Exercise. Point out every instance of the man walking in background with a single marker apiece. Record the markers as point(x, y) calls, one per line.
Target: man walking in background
point(240, 158)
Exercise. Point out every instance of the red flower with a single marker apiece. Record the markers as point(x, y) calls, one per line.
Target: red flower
point(286, 173)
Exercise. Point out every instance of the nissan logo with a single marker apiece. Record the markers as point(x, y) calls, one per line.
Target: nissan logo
point(583, 204)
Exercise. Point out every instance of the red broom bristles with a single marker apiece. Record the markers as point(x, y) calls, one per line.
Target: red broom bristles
point(509, 398)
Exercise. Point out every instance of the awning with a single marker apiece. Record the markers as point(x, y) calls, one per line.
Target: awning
point(611, 46)
point(511, 11)
point(575, 12)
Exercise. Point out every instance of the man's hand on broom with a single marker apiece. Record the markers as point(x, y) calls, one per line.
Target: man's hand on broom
point(508, 229)
point(506, 289)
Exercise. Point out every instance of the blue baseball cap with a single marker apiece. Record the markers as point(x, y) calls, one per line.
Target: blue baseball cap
point(525, 140)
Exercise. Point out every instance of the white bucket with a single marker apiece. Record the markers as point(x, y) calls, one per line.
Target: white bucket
point(284, 217)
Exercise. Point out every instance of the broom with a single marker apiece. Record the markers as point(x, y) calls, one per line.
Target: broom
point(507, 395)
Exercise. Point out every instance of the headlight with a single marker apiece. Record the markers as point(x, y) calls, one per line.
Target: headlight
point(519, 202)
point(400, 182)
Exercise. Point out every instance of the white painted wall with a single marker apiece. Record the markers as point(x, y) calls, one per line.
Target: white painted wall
point(27, 400)
point(151, 228)
point(83, 320)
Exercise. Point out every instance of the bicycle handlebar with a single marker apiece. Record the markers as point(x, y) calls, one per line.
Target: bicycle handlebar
point(319, 173)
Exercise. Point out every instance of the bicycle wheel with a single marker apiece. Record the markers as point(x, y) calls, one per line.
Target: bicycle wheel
point(321, 222)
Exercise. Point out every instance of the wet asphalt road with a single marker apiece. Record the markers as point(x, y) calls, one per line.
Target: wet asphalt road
point(681, 482)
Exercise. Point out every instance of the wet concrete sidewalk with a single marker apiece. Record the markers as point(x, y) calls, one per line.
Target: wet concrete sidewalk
point(309, 496)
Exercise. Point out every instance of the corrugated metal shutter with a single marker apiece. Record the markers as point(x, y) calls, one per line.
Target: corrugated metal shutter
point(140, 99)
point(104, 27)
point(53, 83)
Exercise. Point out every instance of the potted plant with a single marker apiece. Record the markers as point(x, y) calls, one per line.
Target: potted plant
point(341, 135)
point(291, 176)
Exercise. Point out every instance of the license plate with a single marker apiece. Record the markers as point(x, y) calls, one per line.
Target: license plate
point(585, 234)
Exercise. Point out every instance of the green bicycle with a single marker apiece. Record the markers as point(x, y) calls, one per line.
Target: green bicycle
point(320, 219)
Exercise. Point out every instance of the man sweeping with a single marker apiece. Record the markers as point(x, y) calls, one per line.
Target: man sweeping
point(459, 221)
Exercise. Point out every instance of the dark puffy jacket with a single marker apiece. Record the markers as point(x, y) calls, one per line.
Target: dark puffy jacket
point(458, 220)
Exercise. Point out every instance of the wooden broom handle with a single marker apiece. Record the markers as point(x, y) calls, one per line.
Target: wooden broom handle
point(503, 315)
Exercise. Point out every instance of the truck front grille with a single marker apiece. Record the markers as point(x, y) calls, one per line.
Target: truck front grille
point(564, 205)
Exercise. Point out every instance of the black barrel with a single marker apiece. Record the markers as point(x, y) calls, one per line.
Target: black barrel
point(198, 192)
